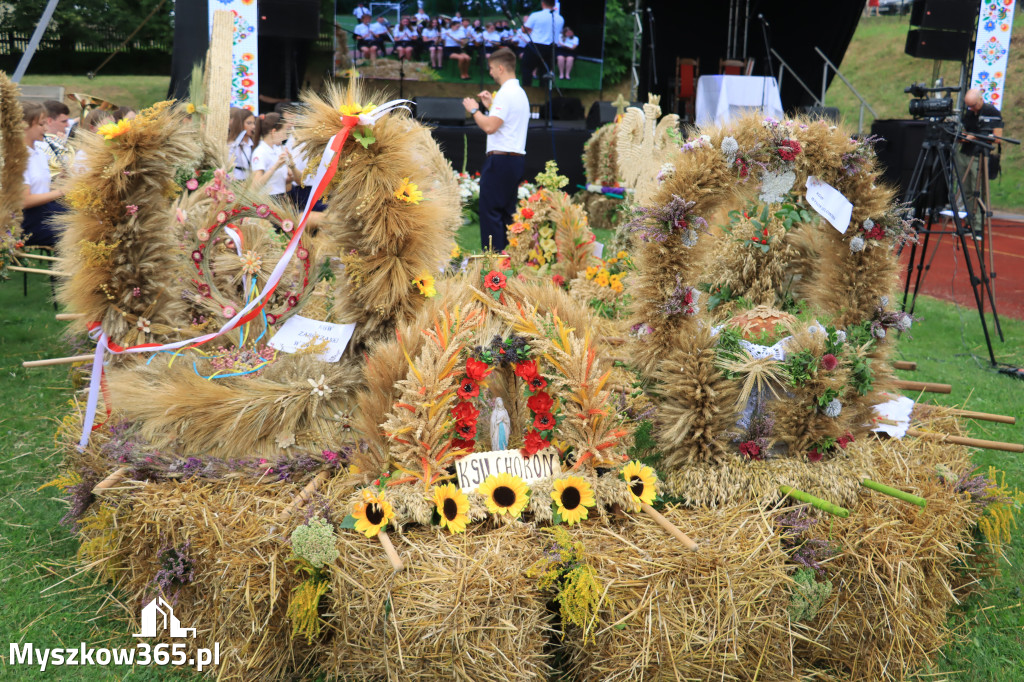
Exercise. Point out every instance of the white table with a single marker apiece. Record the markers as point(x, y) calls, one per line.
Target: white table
point(723, 98)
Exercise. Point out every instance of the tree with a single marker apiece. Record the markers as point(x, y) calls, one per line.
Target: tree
point(618, 41)
point(94, 21)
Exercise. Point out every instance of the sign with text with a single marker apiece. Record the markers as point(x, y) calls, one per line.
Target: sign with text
point(474, 468)
point(829, 203)
point(299, 332)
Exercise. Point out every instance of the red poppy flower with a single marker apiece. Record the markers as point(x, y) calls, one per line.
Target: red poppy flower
point(494, 280)
point(536, 383)
point(814, 455)
point(751, 450)
point(558, 280)
point(465, 412)
point(541, 402)
point(843, 441)
point(466, 430)
point(533, 442)
point(526, 370)
point(526, 213)
point(468, 389)
point(476, 369)
point(544, 421)
point(463, 444)
point(829, 362)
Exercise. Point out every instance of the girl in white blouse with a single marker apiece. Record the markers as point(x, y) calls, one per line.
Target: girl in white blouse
point(272, 165)
point(566, 50)
point(241, 136)
point(430, 36)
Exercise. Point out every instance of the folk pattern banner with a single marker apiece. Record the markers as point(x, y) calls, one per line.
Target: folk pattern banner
point(244, 52)
point(992, 49)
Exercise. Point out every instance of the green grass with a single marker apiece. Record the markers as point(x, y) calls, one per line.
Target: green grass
point(37, 605)
point(877, 67)
point(132, 91)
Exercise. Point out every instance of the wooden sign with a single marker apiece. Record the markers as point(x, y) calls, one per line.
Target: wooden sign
point(474, 468)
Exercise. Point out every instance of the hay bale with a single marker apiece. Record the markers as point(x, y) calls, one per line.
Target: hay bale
point(671, 614)
point(463, 609)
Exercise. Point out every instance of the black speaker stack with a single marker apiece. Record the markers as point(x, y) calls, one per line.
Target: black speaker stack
point(299, 19)
point(941, 29)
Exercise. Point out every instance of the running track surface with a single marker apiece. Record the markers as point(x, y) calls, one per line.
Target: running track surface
point(948, 280)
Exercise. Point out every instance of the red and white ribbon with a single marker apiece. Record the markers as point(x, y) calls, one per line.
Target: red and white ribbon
point(324, 174)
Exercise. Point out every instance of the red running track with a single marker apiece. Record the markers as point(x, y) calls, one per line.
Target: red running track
point(948, 280)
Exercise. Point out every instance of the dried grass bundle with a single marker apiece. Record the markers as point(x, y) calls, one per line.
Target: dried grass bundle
point(14, 156)
point(668, 613)
point(600, 159)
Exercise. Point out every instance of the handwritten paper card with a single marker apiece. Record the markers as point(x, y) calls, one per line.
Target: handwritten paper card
point(474, 468)
point(598, 249)
point(299, 332)
point(829, 203)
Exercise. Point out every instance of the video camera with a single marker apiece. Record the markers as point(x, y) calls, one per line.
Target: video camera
point(932, 108)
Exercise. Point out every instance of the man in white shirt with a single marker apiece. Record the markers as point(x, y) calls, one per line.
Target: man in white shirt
point(543, 26)
point(380, 33)
point(361, 11)
point(505, 125)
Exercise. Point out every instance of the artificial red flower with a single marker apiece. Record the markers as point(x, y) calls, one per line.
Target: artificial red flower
point(526, 213)
point(744, 171)
point(468, 389)
point(507, 263)
point(843, 441)
point(476, 370)
point(466, 430)
point(751, 450)
point(829, 362)
point(533, 442)
point(536, 196)
point(681, 224)
point(544, 421)
point(814, 455)
point(526, 370)
point(558, 280)
point(463, 444)
point(541, 402)
point(876, 233)
point(788, 149)
point(536, 383)
point(494, 280)
point(465, 412)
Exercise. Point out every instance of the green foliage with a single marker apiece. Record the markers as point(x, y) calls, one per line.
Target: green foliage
point(618, 41)
point(861, 376)
point(801, 367)
point(315, 542)
point(93, 21)
point(808, 595)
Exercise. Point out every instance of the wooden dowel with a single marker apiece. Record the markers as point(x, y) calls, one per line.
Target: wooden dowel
point(972, 442)
point(925, 386)
point(890, 422)
point(903, 364)
point(816, 502)
point(970, 414)
point(389, 549)
point(37, 271)
point(110, 481)
point(304, 495)
point(669, 527)
point(894, 492)
point(19, 254)
point(68, 316)
point(57, 361)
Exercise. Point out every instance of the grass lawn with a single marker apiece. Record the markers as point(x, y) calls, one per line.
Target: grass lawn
point(876, 65)
point(38, 605)
point(133, 91)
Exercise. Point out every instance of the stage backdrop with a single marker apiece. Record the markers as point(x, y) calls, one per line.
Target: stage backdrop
point(992, 49)
point(244, 51)
point(584, 17)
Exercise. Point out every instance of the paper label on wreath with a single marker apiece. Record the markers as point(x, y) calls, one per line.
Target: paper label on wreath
point(299, 332)
point(474, 468)
point(598, 249)
point(829, 203)
point(897, 410)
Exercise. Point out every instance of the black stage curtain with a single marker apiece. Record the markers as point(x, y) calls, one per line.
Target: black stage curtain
point(568, 147)
point(191, 38)
point(701, 29)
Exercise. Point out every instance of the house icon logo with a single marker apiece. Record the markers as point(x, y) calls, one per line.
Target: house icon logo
point(159, 612)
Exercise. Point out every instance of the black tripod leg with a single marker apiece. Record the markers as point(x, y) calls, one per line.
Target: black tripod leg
point(922, 267)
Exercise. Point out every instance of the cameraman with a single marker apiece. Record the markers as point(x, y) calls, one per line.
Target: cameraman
point(978, 118)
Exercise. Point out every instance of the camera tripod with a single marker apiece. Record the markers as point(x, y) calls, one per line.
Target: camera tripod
point(935, 182)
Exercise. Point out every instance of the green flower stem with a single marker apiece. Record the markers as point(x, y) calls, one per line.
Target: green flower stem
point(816, 502)
point(893, 492)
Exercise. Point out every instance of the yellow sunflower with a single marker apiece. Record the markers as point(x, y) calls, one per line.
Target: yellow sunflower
point(572, 496)
point(642, 483)
point(425, 283)
point(452, 506)
point(622, 255)
point(111, 130)
point(409, 192)
point(591, 272)
point(504, 494)
point(372, 513)
point(356, 108)
point(602, 278)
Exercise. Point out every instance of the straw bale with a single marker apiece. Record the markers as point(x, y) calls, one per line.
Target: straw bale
point(671, 614)
point(463, 609)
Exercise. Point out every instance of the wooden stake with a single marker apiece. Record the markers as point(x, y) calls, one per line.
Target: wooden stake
point(925, 386)
point(669, 527)
point(21, 254)
point(69, 316)
point(969, 414)
point(37, 271)
point(389, 549)
point(972, 442)
point(110, 481)
point(304, 495)
point(894, 492)
point(903, 364)
point(57, 361)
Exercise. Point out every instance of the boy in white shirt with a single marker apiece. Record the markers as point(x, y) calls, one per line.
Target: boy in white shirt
point(380, 34)
point(40, 205)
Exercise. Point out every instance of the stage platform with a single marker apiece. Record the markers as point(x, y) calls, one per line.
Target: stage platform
point(563, 143)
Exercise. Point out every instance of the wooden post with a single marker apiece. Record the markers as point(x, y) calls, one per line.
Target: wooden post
point(303, 495)
point(925, 386)
point(36, 256)
point(669, 527)
point(110, 481)
point(971, 442)
point(969, 414)
point(218, 77)
point(903, 364)
point(69, 316)
point(37, 271)
point(389, 549)
point(57, 361)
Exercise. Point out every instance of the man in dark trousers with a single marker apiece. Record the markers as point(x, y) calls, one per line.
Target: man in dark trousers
point(505, 124)
point(979, 117)
point(544, 26)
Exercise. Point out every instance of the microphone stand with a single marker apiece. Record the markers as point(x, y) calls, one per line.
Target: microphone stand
point(549, 74)
point(768, 59)
point(650, 29)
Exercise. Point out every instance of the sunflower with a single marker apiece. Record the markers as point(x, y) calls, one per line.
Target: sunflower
point(356, 108)
point(372, 513)
point(452, 506)
point(111, 130)
point(409, 192)
point(504, 494)
point(642, 483)
point(425, 283)
point(572, 495)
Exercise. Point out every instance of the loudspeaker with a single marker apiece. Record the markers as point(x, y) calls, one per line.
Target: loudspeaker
point(950, 15)
point(898, 150)
point(603, 112)
point(289, 19)
point(930, 44)
point(446, 111)
point(564, 109)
